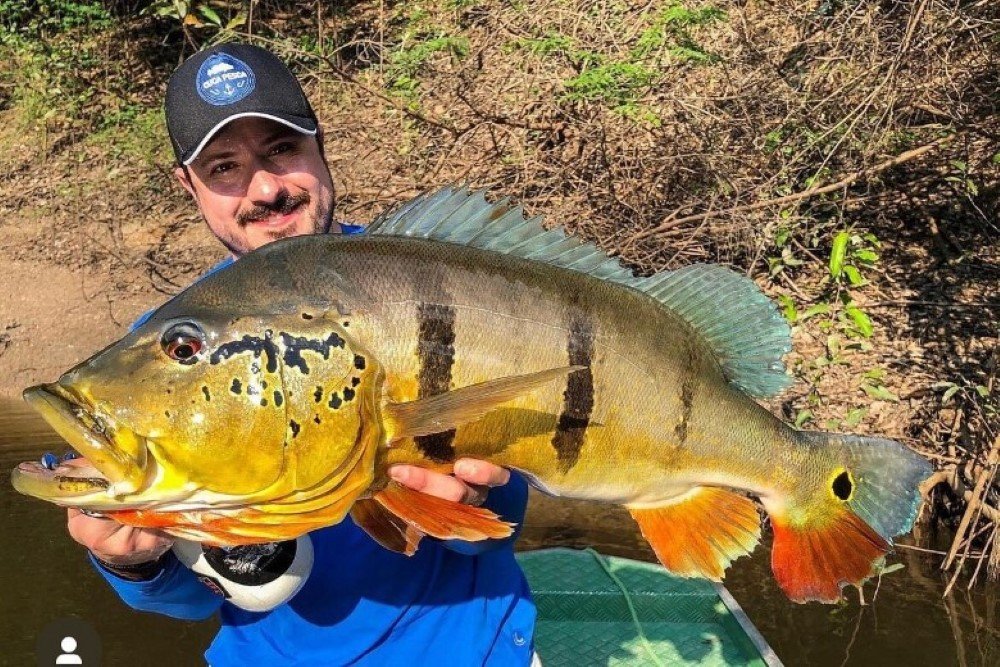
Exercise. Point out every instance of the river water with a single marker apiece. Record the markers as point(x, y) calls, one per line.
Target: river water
point(45, 577)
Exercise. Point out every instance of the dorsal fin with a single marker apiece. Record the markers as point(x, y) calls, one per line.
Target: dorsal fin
point(741, 325)
point(744, 328)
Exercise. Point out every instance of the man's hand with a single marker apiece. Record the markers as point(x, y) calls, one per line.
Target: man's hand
point(472, 481)
point(113, 542)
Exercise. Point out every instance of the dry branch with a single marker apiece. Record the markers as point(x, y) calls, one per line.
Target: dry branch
point(843, 183)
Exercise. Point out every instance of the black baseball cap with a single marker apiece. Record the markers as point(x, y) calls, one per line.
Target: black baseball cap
point(226, 82)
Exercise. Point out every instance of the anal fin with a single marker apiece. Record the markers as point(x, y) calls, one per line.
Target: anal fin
point(385, 527)
point(441, 518)
point(701, 532)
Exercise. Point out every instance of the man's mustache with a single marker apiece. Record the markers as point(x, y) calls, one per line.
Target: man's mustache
point(283, 205)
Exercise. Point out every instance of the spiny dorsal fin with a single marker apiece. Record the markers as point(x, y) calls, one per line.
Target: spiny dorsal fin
point(743, 328)
point(457, 215)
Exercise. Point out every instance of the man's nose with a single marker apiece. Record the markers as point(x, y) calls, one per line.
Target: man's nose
point(265, 187)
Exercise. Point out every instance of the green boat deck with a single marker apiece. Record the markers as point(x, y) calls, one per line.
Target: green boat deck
point(603, 610)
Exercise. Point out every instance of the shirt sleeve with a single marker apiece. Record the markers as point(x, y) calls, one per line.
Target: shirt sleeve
point(174, 592)
point(509, 502)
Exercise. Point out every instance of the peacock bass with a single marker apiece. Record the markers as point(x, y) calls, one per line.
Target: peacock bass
point(268, 400)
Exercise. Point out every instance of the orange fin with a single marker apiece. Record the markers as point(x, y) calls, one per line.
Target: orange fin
point(434, 414)
point(700, 533)
point(813, 561)
point(385, 527)
point(441, 518)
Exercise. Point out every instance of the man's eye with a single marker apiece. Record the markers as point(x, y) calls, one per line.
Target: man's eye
point(222, 168)
point(283, 147)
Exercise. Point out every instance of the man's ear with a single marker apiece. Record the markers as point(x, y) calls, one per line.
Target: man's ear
point(184, 178)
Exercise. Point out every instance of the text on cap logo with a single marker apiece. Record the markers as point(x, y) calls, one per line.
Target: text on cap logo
point(223, 79)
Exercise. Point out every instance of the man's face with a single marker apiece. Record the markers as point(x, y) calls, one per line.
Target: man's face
point(258, 181)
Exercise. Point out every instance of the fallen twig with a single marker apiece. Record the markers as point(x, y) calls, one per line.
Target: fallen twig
point(805, 194)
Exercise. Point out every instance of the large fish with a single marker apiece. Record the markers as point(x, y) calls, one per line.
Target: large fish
point(269, 398)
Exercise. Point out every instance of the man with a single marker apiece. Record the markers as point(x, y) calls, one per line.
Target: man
point(250, 152)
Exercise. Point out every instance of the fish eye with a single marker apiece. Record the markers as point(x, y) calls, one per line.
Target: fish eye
point(182, 342)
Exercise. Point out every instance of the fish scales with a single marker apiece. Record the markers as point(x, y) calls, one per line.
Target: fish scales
point(515, 319)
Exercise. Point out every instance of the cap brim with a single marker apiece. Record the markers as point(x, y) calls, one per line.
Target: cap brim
point(299, 124)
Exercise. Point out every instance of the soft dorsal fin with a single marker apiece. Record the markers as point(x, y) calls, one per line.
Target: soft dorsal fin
point(740, 324)
point(743, 327)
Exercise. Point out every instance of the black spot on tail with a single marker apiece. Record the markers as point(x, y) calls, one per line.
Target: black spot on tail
point(237, 387)
point(335, 401)
point(578, 398)
point(436, 352)
point(295, 428)
point(204, 390)
point(278, 398)
point(318, 394)
point(843, 487)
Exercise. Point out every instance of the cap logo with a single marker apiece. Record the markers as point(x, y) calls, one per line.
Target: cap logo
point(223, 79)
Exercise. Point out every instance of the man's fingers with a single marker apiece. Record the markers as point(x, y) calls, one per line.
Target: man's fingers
point(431, 483)
point(482, 473)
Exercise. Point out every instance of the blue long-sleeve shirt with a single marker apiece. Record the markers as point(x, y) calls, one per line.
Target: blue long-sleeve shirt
point(365, 605)
point(454, 603)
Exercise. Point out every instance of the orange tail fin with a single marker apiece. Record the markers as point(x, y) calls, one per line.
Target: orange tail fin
point(702, 532)
point(813, 561)
point(441, 518)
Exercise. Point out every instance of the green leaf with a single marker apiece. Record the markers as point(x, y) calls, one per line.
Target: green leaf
point(871, 238)
point(880, 393)
point(889, 569)
point(983, 392)
point(788, 308)
point(875, 374)
point(865, 255)
point(838, 253)
point(237, 21)
point(832, 346)
point(861, 321)
point(803, 417)
point(812, 311)
point(210, 14)
point(855, 416)
point(951, 391)
point(853, 275)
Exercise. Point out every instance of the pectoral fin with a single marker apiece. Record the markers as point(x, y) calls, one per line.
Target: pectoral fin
point(385, 527)
point(441, 518)
point(701, 532)
point(442, 412)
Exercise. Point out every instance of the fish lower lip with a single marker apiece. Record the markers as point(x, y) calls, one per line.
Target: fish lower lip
point(62, 482)
point(87, 433)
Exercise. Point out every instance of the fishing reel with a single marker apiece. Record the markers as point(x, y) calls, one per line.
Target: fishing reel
point(257, 577)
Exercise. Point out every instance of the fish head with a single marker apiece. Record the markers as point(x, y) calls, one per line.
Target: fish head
point(211, 408)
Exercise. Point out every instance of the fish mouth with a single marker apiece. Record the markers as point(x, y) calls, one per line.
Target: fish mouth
point(117, 457)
